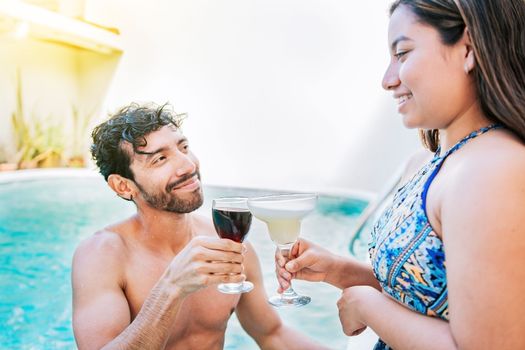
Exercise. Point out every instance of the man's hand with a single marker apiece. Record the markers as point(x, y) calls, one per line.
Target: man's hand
point(308, 262)
point(206, 261)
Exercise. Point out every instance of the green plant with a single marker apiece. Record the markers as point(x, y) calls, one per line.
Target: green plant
point(80, 125)
point(38, 142)
point(3, 154)
point(18, 123)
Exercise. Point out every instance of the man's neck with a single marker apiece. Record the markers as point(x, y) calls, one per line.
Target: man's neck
point(163, 230)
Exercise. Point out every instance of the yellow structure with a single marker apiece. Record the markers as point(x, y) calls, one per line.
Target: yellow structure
point(55, 69)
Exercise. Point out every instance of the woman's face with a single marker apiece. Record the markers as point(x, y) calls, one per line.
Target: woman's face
point(428, 78)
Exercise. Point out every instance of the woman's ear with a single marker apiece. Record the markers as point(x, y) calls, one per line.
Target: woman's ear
point(470, 58)
point(123, 187)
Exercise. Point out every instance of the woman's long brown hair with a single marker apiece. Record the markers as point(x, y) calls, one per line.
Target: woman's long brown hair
point(497, 33)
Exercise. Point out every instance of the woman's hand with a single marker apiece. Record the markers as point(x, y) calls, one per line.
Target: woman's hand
point(308, 262)
point(350, 306)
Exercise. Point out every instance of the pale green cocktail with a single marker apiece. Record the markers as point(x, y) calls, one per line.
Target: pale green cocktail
point(283, 215)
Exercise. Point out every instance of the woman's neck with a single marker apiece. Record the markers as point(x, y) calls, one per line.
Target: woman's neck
point(471, 120)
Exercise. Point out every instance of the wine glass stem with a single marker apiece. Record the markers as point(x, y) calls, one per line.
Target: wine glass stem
point(289, 293)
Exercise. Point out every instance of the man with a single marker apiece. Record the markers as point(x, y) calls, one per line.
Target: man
point(149, 282)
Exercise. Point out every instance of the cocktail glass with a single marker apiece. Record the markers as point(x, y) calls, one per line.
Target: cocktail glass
point(283, 215)
point(232, 220)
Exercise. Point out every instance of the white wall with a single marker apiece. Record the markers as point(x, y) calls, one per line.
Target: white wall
point(280, 93)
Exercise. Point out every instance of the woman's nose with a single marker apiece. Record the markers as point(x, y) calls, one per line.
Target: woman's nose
point(391, 78)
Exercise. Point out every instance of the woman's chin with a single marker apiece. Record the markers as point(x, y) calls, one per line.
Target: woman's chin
point(410, 122)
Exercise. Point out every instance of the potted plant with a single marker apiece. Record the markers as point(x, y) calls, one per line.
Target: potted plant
point(79, 147)
point(38, 142)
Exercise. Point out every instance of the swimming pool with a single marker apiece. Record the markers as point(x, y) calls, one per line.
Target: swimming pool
point(43, 218)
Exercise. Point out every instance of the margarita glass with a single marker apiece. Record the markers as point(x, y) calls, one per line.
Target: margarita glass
point(283, 215)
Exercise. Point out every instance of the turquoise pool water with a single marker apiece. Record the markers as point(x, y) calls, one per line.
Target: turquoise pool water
point(43, 220)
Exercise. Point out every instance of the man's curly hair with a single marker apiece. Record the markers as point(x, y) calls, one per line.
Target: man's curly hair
point(130, 124)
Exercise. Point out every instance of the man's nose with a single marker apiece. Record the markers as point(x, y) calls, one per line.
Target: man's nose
point(187, 165)
point(391, 77)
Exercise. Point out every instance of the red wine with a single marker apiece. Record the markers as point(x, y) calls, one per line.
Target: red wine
point(232, 223)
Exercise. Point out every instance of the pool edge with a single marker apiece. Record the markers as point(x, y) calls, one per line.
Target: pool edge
point(38, 174)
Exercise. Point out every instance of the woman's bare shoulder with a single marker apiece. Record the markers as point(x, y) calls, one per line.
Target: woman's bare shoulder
point(501, 156)
point(494, 168)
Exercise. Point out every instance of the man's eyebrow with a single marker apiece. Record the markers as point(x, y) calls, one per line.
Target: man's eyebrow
point(152, 153)
point(159, 150)
point(398, 40)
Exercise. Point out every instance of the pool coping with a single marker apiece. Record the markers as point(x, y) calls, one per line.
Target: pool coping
point(38, 174)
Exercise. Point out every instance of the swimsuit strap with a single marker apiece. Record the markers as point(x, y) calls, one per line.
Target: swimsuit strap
point(439, 160)
point(464, 140)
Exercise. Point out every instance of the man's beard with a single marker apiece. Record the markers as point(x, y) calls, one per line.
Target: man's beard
point(169, 201)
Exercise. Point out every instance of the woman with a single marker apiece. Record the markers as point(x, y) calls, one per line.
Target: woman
point(448, 255)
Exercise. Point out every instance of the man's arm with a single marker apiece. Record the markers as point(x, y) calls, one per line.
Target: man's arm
point(260, 320)
point(101, 316)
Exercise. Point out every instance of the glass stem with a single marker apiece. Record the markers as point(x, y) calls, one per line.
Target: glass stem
point(289, 293)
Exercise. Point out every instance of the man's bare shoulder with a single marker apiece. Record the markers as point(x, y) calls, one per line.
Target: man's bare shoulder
point(103, 253)
point(110, 240)
point(101, 244)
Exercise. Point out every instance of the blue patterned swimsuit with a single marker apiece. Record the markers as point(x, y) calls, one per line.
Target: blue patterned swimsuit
point(407, 256)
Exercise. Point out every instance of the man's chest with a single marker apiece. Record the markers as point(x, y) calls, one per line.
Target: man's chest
point(204, 310)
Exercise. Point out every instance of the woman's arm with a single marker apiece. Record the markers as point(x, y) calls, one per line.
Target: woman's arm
point(314, 263)
point(261, 320)
point(398, 326)
point(348, 272)
point(484, 238)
